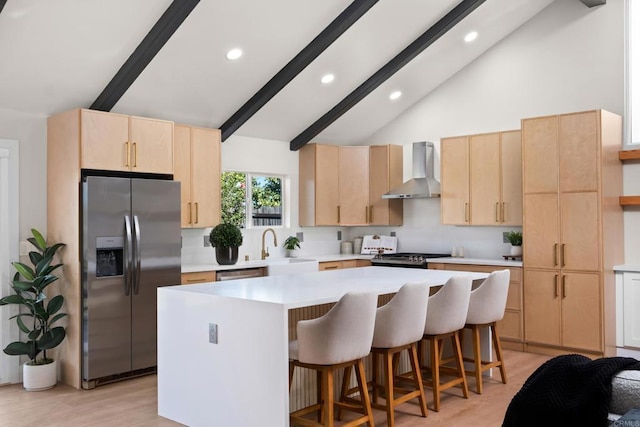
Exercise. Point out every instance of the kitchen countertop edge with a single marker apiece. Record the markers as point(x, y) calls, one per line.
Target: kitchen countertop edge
point(477, 261)
point(243, 265)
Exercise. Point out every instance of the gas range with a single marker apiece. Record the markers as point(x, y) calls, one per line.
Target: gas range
point(405, 259)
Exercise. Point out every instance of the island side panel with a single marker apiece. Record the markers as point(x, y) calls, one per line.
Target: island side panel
point(242, 380)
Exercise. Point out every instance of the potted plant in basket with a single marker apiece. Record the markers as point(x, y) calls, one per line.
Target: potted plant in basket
point(38, 315)
point(226, 238)
point(290, 245)
point(515, 238)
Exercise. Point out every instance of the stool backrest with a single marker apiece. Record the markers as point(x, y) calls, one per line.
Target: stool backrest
point(447, 311)
point(401, 320)
point(343, 334)
point(489, 300)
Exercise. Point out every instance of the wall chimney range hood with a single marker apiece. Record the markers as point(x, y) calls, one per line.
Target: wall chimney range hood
point(423, 184)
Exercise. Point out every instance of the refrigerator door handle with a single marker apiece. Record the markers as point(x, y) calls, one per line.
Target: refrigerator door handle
point(127, 255)
point(137, 232)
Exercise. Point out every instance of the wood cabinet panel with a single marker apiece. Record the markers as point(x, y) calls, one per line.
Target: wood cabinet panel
point(580, 247)
point(541, 228)
point(198, 277)
point(579, 170)
point(454, 170)
point(104, 141)
point(484, 171)
point(510, 326)
point(329, 265)
point(385, 172)
point(353, 172)
point(151, 145)
point(581, 311)
point(327, 200)
point(540, 151)
point(205, 177)
point(511, 178)
point(182, 171)
point(542, 307)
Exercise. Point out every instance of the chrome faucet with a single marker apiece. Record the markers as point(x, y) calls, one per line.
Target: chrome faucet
point(265, 253)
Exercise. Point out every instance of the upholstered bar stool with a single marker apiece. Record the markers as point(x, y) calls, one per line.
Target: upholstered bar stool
point(486, 307)
point(339, 339)
point(399, 326)
point(446, 315)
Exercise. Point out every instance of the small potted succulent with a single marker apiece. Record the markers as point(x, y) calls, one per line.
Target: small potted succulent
point(226, 238)
point(290, 245)
point(515, 238)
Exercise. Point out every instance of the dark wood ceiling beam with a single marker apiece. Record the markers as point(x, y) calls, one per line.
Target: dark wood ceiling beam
point(318, 45)
point(2, 3)
point(161, 32)
point(456, 15)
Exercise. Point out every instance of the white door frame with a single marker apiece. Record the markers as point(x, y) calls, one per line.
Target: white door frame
point(9, 241)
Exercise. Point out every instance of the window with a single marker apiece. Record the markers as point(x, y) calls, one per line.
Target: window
point(252, 200)
point(633, 72)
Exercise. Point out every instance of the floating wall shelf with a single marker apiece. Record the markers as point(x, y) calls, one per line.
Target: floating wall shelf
point(623, 156)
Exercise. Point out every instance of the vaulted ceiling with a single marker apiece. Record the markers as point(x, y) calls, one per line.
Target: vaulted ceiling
point(63, 54)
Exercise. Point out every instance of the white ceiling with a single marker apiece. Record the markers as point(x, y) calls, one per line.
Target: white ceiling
point(61, 54)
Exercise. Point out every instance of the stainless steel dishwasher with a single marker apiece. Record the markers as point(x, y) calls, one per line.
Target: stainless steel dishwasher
point(243, 273)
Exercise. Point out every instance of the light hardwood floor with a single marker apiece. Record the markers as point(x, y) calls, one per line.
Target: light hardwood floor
point(134, 403)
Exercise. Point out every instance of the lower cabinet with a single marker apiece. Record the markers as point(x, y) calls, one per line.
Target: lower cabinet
point(510, 328)
point(631, 314)
point(563, 309)
point(338, 265)
point(198, 277)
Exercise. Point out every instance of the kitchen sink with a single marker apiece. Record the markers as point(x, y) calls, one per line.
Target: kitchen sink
point(282, 266)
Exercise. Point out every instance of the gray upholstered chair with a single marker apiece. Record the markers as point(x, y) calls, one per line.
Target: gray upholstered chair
point(446, 316)
point(399, 326)
point(486, 307)
point(339, 339)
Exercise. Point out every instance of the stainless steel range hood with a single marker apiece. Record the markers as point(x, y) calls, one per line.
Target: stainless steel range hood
point(423, 184)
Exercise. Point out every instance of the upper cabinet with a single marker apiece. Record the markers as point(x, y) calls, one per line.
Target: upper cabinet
point(117, 142)
point(343, 185)
point(197, 167)
point(481, 179)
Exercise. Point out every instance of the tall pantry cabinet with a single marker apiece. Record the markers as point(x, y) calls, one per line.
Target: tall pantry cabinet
point(572, 230)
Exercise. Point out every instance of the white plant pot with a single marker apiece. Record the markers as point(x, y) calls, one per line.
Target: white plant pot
point(516, 250)
point(291, 253)
point(39, 377)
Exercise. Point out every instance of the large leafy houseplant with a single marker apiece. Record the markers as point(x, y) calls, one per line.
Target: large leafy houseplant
point(39, 313)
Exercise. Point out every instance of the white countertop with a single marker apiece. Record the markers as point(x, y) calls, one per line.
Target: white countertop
point(303, 290)
point(627, 268)
point(477, 261)
point(193, 268)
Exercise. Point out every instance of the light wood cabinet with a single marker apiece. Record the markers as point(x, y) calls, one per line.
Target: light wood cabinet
point(482, 179)
point(385, 173)
point(116, 142)
point(344, 185)
point(339, 265)
point(197, 167)
point(198, 277)
point(511, 327)
point(572, 232)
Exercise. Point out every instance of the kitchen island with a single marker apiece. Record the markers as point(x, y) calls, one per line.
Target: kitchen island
point(237, 375)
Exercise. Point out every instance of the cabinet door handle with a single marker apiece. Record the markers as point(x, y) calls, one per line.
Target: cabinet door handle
point(196, 203)
point(564, 286)
point(562, 257)
point(338, 214)
point(466, 212)
point(190, 213)
point(502, 212)
point(370, 214)
point(555, 254)
point(135, 155)
point(555, 288)
point(126, 147)
point(497, 212)
point(331, 267)
point(196, 280)
point(366, 214)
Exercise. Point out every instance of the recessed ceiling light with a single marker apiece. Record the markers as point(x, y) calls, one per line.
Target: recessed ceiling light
point(471, 36)
point(395, 95)
point(327, 78)
point(234, 54)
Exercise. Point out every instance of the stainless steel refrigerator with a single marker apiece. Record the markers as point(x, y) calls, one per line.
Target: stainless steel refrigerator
point(131, 246)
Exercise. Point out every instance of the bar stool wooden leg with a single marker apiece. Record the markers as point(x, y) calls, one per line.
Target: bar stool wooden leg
point(320, 396)
point(388, 388)
point(364, 392)
point(498, 347)
point(435, 373)
point(460, 364)
point(327, 394)
point(477, 356)
point(417, 376)
point(291, 369)
point(374, 369)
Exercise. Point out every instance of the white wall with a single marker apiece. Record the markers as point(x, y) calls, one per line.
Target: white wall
point(245, 154)
point(567, 58)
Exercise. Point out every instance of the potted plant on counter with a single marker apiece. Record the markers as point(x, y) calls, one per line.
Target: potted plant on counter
point(290, 245)
point(226, 238)
point(38, 315)
point(515, 238)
